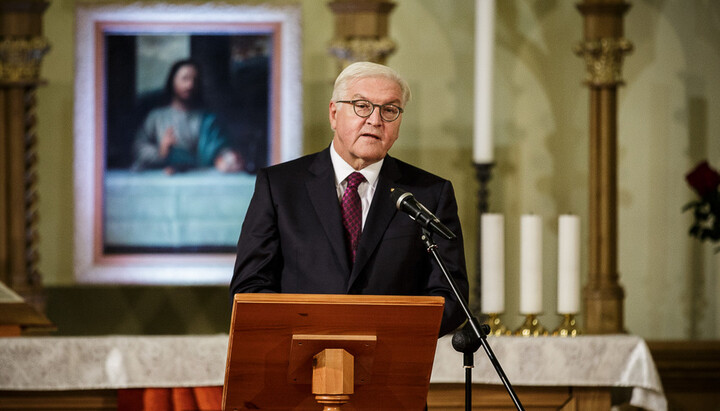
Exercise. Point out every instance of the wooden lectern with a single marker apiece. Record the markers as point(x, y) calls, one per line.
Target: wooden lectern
point(330, 352)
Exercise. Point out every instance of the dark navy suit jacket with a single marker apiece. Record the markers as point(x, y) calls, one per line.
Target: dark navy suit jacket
point(292, 239)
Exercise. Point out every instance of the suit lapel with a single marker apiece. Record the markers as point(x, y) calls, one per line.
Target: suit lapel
point(379, 216)
point(321, 188)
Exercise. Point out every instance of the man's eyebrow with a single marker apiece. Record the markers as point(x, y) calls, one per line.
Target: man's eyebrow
point(361, 97)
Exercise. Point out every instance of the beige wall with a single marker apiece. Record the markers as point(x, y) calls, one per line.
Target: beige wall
point(669, 119)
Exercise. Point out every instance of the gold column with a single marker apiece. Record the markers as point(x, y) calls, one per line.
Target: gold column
point(361, 31)
point(22, 48)
point(603, 49)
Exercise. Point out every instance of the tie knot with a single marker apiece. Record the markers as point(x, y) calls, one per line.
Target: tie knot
point(354, 179)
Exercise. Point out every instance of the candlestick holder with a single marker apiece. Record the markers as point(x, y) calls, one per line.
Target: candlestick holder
point(483, 172)
point(568, 327)
point(496, 325)
point(531, 327)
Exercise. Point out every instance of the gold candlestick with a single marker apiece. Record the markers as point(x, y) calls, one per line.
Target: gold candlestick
point(531, 327)
point(496, 325)
point(568, 327)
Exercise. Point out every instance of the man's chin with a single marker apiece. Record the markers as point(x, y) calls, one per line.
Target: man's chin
point(371, 156)
point(185, 98)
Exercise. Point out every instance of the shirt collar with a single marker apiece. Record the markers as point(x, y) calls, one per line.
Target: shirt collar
point(343, 169)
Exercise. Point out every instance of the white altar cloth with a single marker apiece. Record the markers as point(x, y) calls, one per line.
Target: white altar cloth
point(115, 362)
point(584, 361)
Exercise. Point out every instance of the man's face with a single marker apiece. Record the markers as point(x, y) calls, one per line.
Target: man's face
point(364, 141)
point(184, 82)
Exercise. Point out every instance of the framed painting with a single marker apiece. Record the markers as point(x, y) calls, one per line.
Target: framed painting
point(176, 108)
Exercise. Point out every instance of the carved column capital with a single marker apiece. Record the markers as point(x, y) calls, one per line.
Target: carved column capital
point(21, 58)
point(361, 31)
point(361, 49)
point(603, 60)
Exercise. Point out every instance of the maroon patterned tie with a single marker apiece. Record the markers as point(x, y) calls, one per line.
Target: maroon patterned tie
point(352, 212)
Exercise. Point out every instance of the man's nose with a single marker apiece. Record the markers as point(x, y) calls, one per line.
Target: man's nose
point(374, 117)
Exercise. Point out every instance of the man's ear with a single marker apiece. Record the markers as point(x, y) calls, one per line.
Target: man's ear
point(332, 114)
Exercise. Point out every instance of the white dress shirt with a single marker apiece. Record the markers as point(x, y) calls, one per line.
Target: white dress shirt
point(366, 189)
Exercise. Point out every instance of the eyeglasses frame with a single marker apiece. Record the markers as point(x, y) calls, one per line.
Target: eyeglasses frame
point(380, 106)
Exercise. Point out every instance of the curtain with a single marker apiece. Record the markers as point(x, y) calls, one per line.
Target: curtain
point(171, 399)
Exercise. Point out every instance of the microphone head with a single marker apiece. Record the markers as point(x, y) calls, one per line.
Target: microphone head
point(398, 195)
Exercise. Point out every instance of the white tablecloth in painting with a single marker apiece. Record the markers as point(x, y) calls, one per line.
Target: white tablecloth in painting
point(194, 208)
point(77, 363)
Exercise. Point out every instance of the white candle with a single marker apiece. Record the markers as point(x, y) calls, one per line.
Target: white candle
point(568, 264)
point(492, 264)
point(484, 45)
point(530, 264)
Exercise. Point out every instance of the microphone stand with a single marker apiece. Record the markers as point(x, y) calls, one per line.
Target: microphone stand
point(471, 336)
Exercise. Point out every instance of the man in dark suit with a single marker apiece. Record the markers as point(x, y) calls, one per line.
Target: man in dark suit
point(296, 238)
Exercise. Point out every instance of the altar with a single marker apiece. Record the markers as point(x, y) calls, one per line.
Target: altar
point(581, 373)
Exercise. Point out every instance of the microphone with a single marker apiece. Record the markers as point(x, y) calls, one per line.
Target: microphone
point(407, 203)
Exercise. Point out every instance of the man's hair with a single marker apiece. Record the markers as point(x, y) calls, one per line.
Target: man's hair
point(365, 69)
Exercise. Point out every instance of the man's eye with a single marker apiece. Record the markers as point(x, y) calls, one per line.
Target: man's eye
point(390, 109)
point(362, 104)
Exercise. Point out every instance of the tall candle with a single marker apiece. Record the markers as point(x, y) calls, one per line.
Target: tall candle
point(568, 264)
point(492, 264)
point(484, 45)
point(530, 264)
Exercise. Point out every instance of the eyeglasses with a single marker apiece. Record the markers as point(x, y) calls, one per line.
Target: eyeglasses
point(364, 108)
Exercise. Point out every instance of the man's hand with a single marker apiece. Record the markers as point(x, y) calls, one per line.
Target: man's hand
point(229, 162)
point(167, 141)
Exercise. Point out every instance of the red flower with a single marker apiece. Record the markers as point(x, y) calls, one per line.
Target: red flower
point(706, 211)
point(703, 179)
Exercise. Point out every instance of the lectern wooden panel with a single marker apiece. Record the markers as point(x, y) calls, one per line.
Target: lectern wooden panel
point(261, 340)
